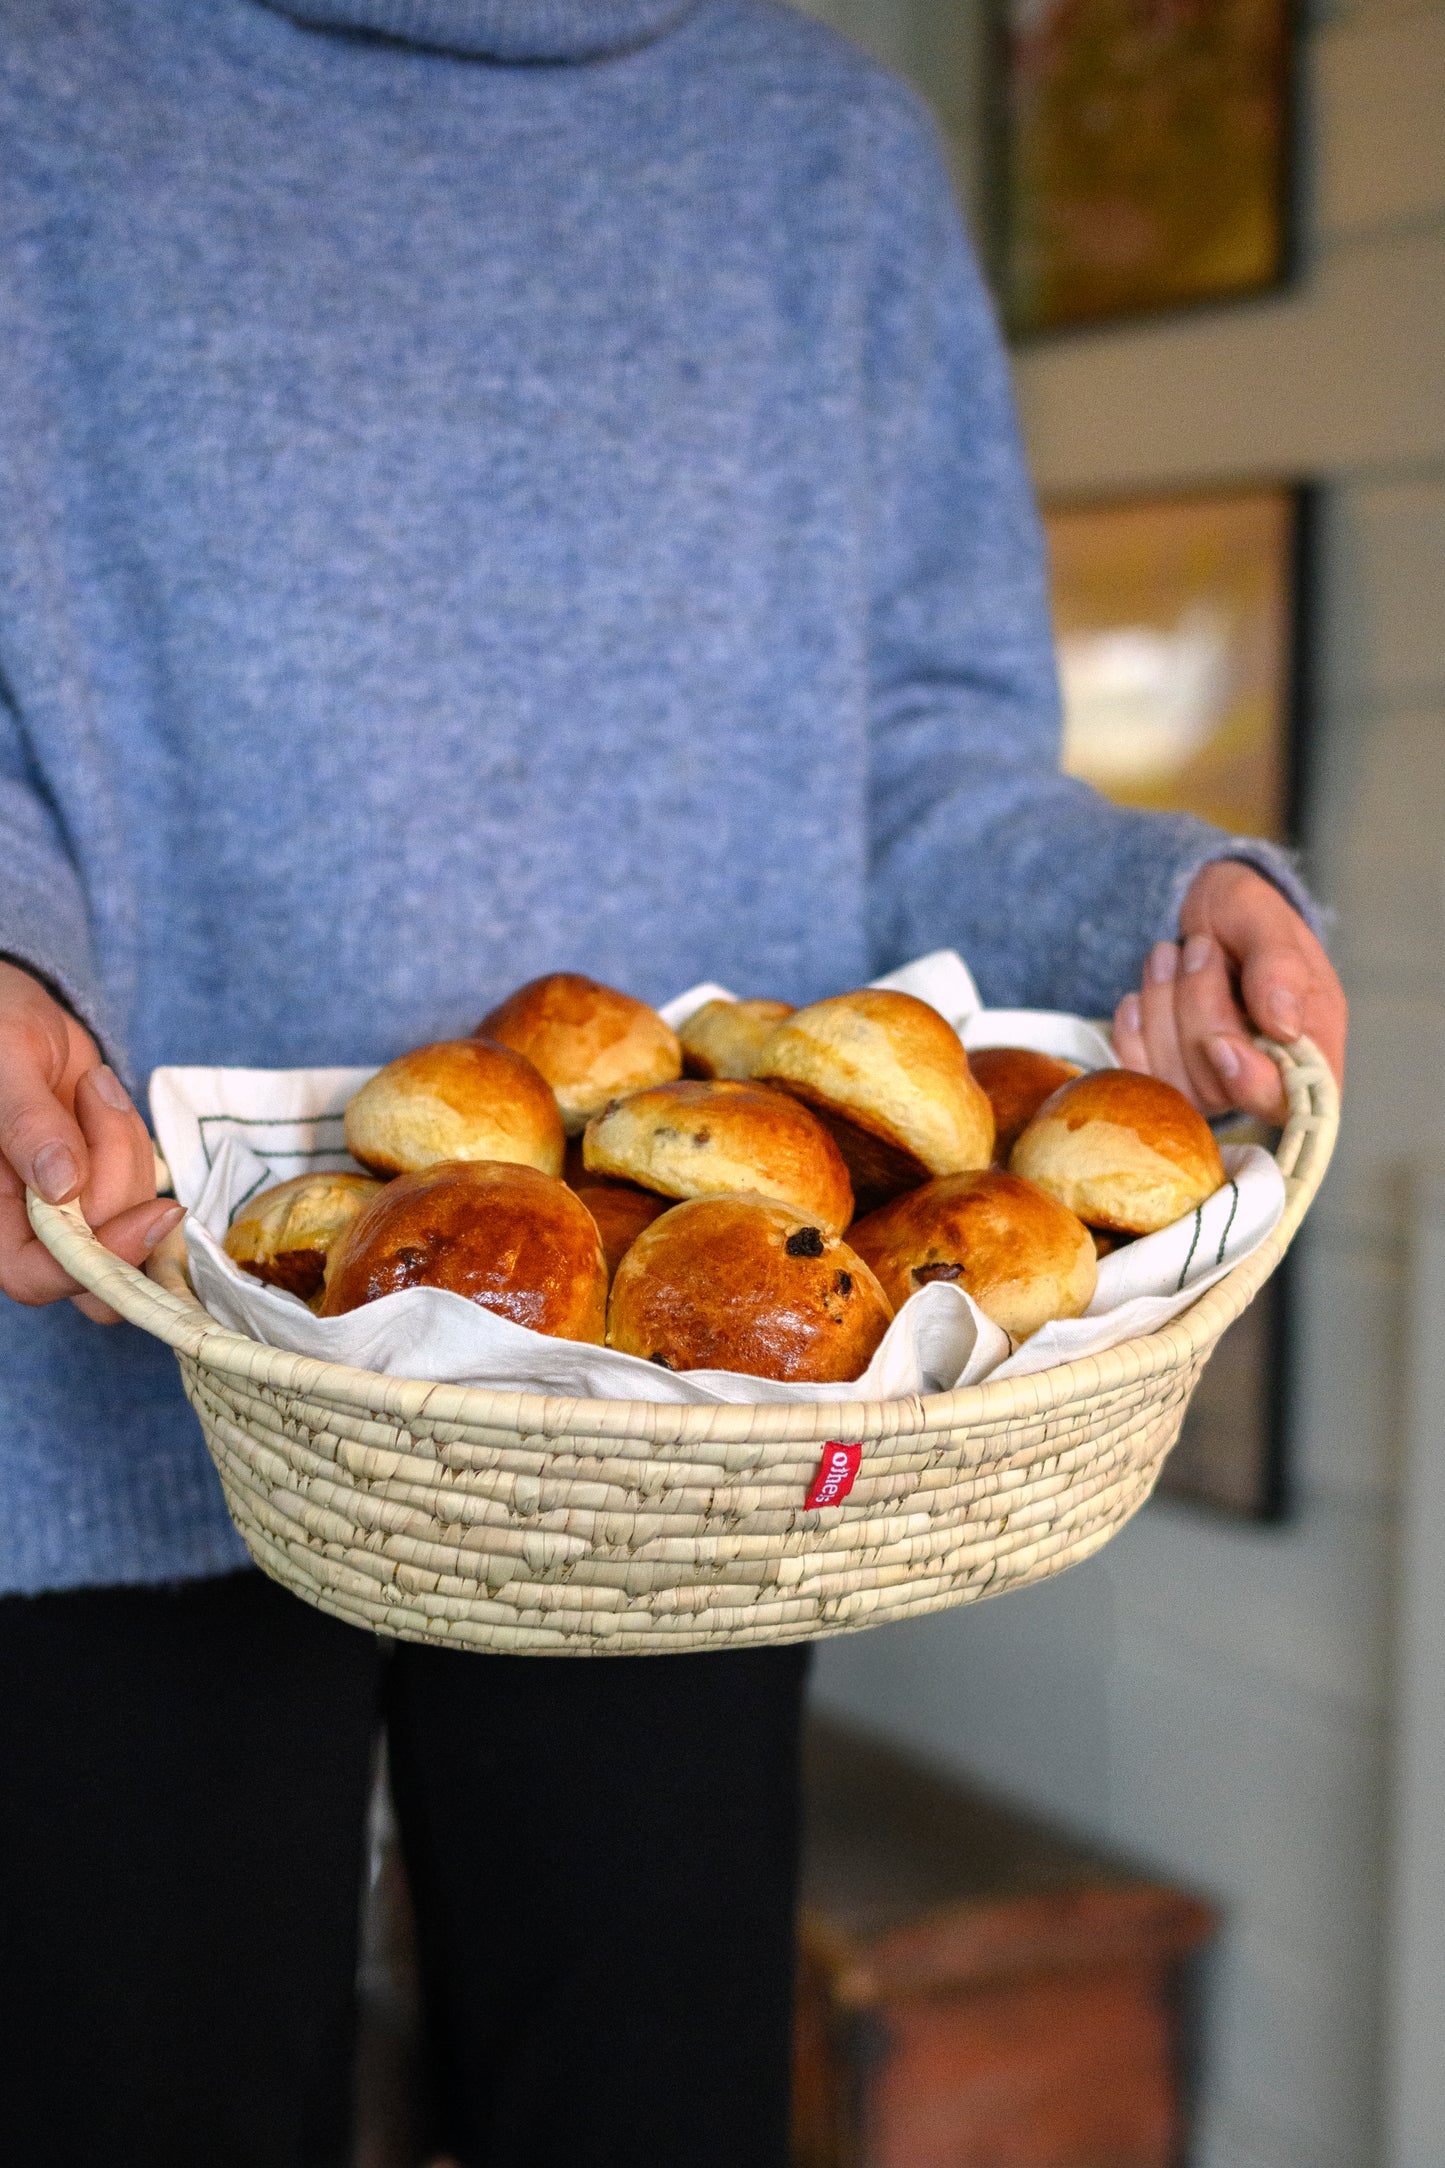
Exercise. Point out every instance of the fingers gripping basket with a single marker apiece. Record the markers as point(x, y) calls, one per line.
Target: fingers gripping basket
point(511, 1521)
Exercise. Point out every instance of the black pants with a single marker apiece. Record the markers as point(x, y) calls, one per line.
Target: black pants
point(602, 1850)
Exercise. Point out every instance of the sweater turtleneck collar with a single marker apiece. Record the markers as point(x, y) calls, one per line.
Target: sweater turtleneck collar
point(516, 30)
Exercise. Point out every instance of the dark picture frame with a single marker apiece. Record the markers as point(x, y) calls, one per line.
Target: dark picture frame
point(1143, 157)
point(1233, 1454)
point(1232, 567)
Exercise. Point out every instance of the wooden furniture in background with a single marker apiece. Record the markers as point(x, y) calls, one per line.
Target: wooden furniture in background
point(976, 1991)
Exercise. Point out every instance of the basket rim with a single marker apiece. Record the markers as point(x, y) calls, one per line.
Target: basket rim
point(161, 1302)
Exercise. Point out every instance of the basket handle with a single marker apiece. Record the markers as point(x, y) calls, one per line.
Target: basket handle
point(1312, 1098)
point(73, 1244)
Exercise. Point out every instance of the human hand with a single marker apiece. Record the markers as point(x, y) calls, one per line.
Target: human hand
point(1248, 963)
point(67, 1129)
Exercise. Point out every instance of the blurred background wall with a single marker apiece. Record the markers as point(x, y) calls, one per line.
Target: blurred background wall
point(1216, 1699)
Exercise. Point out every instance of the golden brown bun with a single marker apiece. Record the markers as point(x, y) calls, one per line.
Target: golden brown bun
point(1022, 1256)
point(1124, 1151)
point(705, 1140)
point(515, 1241)
point(1018, 1081)
point(458, 1099)
point(892, 1081)
point(621, 1211)
point(737, 1283)
point(589, 1041)
point(725, 1038)
point(284, 1235)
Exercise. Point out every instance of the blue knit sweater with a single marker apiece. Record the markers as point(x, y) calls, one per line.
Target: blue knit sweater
point(487, 486)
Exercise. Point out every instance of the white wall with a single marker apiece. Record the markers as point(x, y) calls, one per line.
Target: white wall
point(1212, 1699)
point(1414, 2105)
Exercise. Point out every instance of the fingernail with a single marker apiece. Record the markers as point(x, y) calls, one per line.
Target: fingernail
point(1163, 963)
point(108, 1087)
point(1284, 1013)
point(1197, 951)
point(53, 1172)
point(1129, 1013)
point(162, 1224)
point(1225, 1056)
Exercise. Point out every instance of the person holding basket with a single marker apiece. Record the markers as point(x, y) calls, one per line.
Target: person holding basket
point(485, 486)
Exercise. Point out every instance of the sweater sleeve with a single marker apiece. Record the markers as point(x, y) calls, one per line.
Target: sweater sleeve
point(44, 925)
point(1052, 894)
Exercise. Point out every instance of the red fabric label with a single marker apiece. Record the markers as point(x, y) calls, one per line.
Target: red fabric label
point(837, 1471)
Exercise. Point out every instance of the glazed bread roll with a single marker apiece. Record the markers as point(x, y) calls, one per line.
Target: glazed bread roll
point(589, 1041)
point(621, 1211)
point(284, 1236)
point(891, 1080)
point(458, 1099)
point(1126, 1152)
point(1022, 1256)
point(515, 1241)
point(705, 1140)
point(737, 1283)
point(1018, 1081)
point(725, 1038)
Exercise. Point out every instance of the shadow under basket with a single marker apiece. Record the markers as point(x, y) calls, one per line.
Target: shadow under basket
point(514, 1521)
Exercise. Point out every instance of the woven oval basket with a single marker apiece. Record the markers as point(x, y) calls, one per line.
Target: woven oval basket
point(472, 1518)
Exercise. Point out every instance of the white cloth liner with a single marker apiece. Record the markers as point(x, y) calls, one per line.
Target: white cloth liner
point(228, 1133)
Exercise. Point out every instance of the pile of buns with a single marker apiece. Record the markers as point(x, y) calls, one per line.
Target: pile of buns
point(761, 1191)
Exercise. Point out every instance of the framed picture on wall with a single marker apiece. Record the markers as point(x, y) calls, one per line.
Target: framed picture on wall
point(1181, 641)
point(1233, 1452)
point(1179, 622)
point(1144, 160)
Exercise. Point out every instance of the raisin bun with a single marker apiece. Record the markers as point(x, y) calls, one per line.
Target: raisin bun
point(693, 1139)
point(285, 1235)
point(458, 1099)
point(1022, 1256)
point(892, 1082)
point(737, 1283)
point(515, 1241)
point(725, 1038)
point(621, 1211)
point(1124, 1151)
point(589, 1041)
point(1018, 1081)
